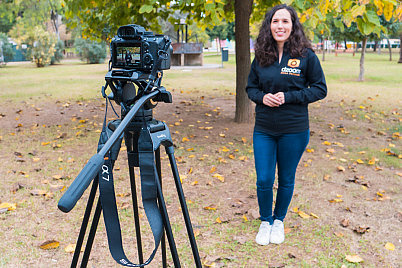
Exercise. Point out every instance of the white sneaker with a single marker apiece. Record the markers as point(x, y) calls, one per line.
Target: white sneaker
point(277, 232)
point(263, 235)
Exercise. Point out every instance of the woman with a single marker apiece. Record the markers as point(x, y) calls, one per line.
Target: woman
point(285, 77)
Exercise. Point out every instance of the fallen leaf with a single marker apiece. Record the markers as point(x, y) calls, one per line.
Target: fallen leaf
point(314, 215)
point(37, 192)
point(50, 244)
point(353, 258)
point(361, 229)
point(345, 222)
point(8, 206)
point(390, 246)
point(341, 168)
point(219, 177)
point(303, 215)
point(338, 234)
point(210, 207)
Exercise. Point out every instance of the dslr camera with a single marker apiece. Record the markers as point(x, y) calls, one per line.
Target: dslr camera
point(133, 48)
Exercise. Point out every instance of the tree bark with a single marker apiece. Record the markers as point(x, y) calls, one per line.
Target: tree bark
point(243, 10)
point(346, 45)
point(361, 74)
point(389, 49)
point(400, 48)
point(323, 49)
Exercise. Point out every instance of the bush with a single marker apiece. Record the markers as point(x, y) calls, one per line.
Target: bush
point(58, 53)
point(41, 46)
point(90, 51)
point(6, 49)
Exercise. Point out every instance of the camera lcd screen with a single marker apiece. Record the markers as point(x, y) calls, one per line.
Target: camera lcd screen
point(128, 55)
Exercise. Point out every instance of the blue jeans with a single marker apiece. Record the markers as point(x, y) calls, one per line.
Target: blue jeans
point(284, 151)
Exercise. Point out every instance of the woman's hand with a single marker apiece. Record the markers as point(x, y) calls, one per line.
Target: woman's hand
point(274, 100)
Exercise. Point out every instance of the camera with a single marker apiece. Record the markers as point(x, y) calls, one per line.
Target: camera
point(134, 48)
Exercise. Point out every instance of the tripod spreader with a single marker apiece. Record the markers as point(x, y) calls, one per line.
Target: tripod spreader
point(94, 165)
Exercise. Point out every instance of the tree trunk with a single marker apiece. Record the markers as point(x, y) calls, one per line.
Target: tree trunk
point(400, 48)
point(323, 49)
point(389, 48)
point(243, 10)
point(375, 46)
point(346, 45)
point(361, 74)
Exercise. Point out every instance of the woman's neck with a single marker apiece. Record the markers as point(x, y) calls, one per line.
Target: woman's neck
point(280, 50)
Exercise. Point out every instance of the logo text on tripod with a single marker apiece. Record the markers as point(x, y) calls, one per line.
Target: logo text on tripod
point(161, 136)
point(105, 169)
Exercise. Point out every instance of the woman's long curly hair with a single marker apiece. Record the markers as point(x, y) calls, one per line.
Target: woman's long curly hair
point(266, 50)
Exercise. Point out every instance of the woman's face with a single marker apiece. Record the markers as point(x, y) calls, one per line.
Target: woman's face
point(281, 26)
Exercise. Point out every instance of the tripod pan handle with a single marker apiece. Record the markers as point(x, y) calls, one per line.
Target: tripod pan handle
point(81, 183)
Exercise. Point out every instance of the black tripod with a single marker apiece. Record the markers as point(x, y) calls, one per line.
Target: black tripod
point(137, 122)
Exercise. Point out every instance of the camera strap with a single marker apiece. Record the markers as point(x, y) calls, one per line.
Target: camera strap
point(148, 189)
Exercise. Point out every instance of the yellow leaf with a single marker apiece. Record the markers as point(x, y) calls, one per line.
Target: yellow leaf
point(390, 246)
point(330, 150)
point(185, 139)
point(60, 159)
point(222, 135)
point(310, 150)
point(340, 168)
point(213, 169)
point(218, 220)
point(314, 215)
point(219, 177)
point(177, 123)
point(51, 244)
point(336, 200)
point(8, 206)
point(45, 143)
point(70, 248)
point(190, 149)
point(36, 159)
point(360, 161)
point(225, 149)
point(326, 143)
point(295, 209)
point(243, 139)
point(211, 207)
point(354, 258)
point(190, 171)
point(303, 214)
point(194, 183)
point(232, 156)
point(245, 218)
point(57, 177)
point(243, 158)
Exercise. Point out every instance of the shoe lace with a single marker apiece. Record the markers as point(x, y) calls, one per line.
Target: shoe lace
point(277, 226)
point(264, 225)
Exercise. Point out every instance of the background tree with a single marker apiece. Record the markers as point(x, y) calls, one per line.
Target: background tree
point(6, 49)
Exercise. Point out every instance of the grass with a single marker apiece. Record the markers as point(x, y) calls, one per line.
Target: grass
point(312, 240)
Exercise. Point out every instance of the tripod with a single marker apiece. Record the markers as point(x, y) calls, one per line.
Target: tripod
point(137, 122)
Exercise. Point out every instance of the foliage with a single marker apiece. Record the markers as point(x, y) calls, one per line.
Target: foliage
point(41, 46)
point(90, 51)
point(58, 53)
point(7, 17)
point(6, 48)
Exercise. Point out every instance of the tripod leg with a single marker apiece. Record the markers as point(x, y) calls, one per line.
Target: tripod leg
point(136, 214)
point(84, 224)
point(170, 152)
point(166, 223)
point(163, 240)
point(91, 235)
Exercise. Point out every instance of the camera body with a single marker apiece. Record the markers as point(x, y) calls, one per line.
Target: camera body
point(133, 48)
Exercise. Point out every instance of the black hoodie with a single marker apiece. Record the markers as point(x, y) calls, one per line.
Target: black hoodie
point(300, 79)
